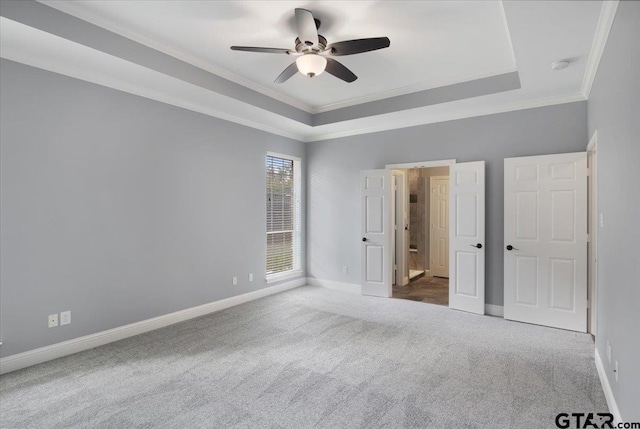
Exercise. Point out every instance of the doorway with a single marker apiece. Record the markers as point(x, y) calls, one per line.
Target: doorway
point(423, 235)
point(466, 235)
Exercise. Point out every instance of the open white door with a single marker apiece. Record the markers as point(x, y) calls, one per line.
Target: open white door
point(439, 226)
point(545, 233)
point(376, 191)
point(466, 242)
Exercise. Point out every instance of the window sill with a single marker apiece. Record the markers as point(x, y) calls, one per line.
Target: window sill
point(286, 275)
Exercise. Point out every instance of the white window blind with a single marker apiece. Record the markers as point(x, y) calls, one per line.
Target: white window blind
point(283, 215)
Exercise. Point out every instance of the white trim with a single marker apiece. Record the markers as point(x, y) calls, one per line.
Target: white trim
point(608, 392)
point(483, 111)
point(54, 351)
point(593, 142)
point(284, 156)
point(605, 22)
point(285, 275)
point(329, 284)
point(592, 237)
point(423, 164)
point(494, 310)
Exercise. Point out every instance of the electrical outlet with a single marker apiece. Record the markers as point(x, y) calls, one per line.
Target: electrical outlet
point(616, 370)
point(53, 320)
point(250, 277)
point(234, 281)
point(609, 352)
point(65, 317)
point(345, 270)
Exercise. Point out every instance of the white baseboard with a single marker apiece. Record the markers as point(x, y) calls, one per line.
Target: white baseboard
point(44, 354)
point(494, 310)
point(608, 393)
point(329, 284)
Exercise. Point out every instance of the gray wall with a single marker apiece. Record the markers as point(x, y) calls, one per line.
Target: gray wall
point(614, 111)
point(120, 208)
point(333, 194)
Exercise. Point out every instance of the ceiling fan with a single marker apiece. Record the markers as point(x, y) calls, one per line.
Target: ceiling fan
point(313, 52)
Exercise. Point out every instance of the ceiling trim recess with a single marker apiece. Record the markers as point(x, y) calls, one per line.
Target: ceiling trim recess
point(409, 89)
point(506, 28)
point(605, 22)
point(21, 56)
point(169, 49)
point(509, 107)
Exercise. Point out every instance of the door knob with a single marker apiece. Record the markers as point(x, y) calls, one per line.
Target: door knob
point(364, 238)
point(510, 247)
point(479, 246)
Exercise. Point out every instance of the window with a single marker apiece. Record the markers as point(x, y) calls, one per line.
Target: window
point(283, 216)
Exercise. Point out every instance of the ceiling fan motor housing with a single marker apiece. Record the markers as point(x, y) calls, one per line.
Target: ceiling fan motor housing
point(302, 47)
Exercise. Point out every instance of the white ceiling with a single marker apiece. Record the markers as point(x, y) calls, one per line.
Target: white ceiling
point(539, 31)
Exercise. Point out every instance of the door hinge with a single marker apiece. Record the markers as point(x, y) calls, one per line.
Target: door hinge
point(588, 238)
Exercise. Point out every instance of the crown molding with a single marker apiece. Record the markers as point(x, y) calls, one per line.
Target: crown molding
point(605, 22)
point(508, 107)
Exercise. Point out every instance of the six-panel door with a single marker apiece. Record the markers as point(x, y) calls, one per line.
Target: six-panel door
point(466, 244)
point(376, 194)
point(545, 239)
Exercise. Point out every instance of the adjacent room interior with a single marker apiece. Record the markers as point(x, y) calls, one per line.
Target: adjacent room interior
point(319, 214)
point(426, 251)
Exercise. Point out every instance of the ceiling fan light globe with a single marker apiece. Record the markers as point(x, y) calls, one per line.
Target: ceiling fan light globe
point(311, 64)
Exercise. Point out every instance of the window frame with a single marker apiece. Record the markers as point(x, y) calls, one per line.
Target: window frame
point(296, 242)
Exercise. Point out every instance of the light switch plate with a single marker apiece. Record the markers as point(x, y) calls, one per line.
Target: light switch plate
point(65, 318)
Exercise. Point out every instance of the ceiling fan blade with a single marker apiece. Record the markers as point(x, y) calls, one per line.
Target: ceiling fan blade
point(257, 49)
point(340, 71)
point(307, 31)
point(350, 47)
point(287, 73)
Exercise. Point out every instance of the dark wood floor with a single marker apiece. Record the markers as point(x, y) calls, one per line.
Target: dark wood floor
point(434, 290)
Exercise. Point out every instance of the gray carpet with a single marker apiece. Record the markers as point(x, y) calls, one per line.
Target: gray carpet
point(314, 357)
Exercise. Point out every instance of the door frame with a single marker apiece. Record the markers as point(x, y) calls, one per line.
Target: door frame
point(401, 257)
point(432, 245)
point(411, 165)
point(592, 241)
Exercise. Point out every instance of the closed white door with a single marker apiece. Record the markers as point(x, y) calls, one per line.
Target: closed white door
point(376, 196)
point(439, 226)
point(466, 242)
point(545, 239)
